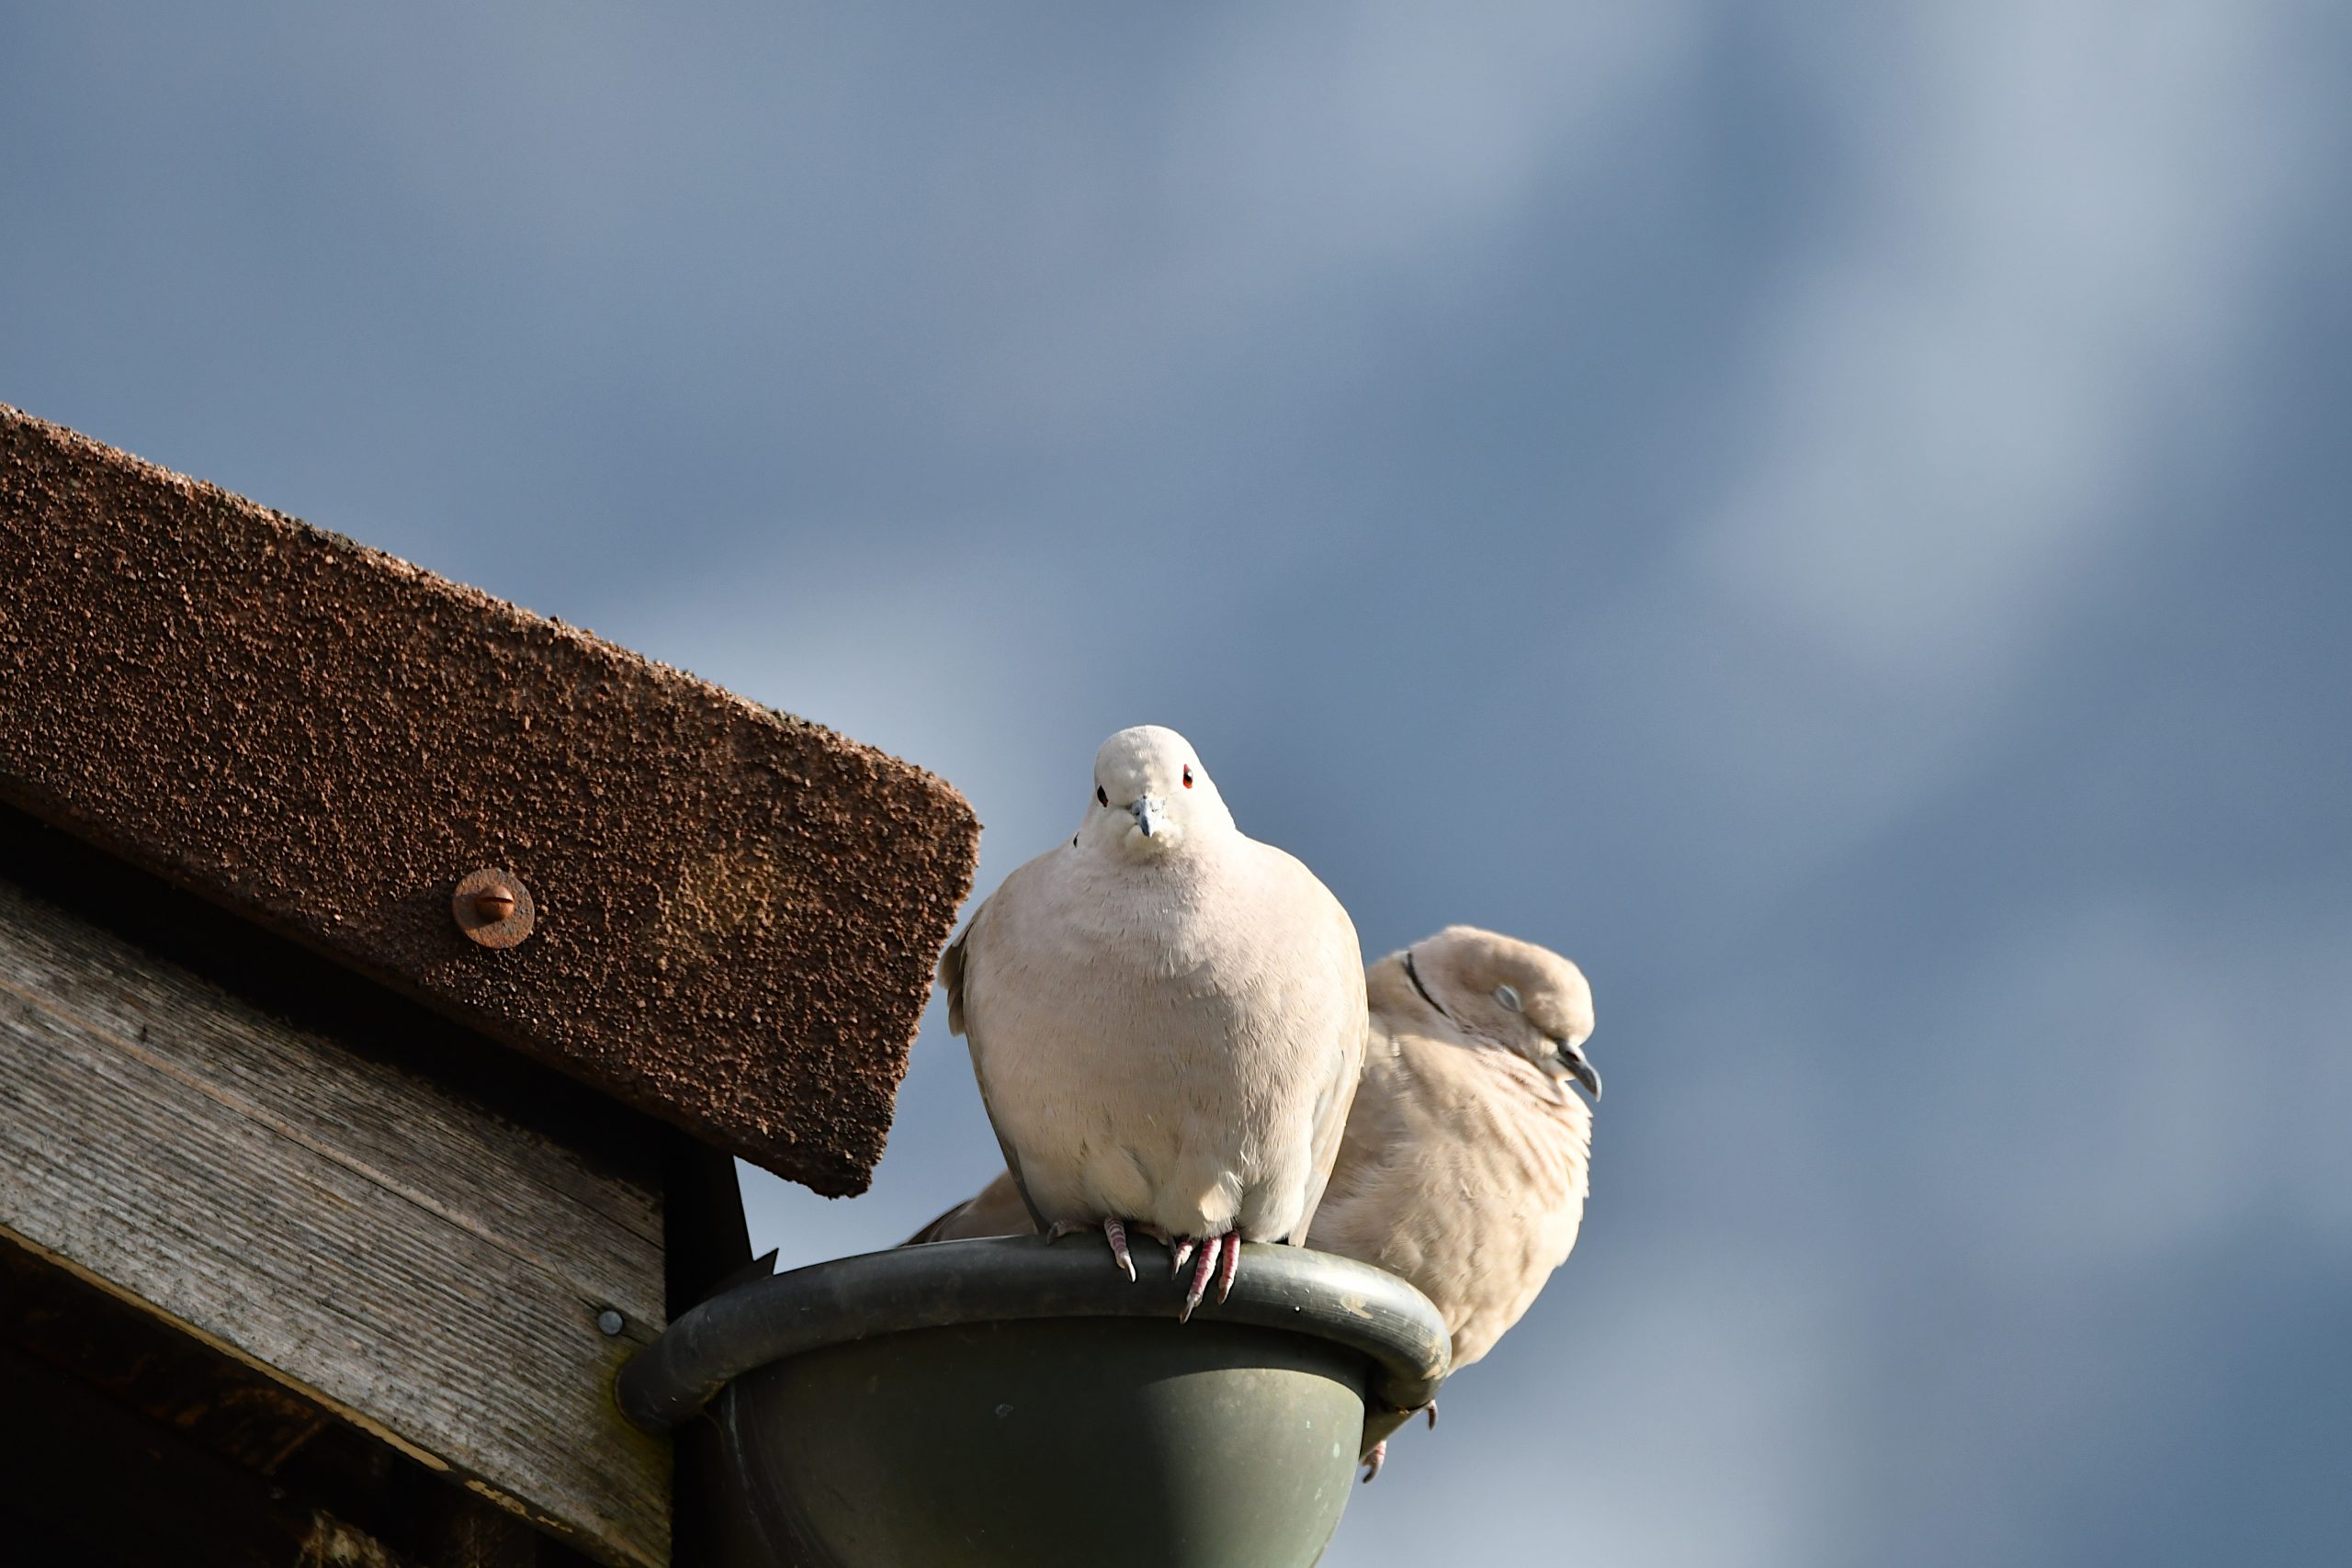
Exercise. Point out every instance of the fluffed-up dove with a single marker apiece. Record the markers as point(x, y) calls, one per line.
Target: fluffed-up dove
point(1167, 1019)
point(1464, 1167)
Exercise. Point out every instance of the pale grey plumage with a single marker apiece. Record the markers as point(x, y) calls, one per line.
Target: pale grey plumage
point(1464, 1163)
point(1167, 1018)
point(1465, 1166)
point(997, 1208)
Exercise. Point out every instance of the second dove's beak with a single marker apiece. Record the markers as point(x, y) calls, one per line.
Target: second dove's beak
point(1573, 1058)
point(1150, 814)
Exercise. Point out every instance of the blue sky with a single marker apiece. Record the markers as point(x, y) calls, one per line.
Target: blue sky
point(1833, 516)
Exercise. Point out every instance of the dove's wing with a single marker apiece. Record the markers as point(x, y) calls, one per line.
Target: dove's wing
point(1327, 940)
point(1374, 1177)
point(954, 968)
point(951, 977)
point(997, 1208)
point(1333, 1108)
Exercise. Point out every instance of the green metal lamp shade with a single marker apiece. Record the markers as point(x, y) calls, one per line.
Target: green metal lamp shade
point(1006, 1401)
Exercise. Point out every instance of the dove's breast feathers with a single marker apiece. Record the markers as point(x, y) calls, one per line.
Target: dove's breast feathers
point(1175, 1041)
point(1464, 1171)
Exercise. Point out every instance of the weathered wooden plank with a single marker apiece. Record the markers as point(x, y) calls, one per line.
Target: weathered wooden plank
point(371, 1237)
point(481, 1174)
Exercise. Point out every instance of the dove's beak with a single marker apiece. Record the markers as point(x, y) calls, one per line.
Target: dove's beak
point(1573, 1058)
point(1150, 812)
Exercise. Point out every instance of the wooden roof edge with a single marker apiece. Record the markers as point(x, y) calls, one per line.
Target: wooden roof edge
point(734, 911)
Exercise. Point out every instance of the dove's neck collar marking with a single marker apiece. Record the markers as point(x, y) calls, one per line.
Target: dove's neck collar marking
point(1415, 976)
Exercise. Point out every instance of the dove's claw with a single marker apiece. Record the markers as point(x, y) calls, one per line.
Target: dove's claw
point(1117, 1234)
point(1375, 1459)
point(1232, 1266)
point(1180, 1252)
point(1204, 1271)
point(1114, 1231)
point(1430, 1411)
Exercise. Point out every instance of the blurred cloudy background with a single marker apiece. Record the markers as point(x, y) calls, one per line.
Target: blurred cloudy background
point(1833, 516)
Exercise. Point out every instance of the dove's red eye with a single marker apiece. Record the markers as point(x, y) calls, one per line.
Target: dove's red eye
point(1099, 797)
point(1188, 775)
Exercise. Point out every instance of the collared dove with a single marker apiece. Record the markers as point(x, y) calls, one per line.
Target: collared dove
point(1167, 1019)
point(1463, 1167)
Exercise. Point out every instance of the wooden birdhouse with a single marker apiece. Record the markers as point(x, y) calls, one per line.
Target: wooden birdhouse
point(387, 978)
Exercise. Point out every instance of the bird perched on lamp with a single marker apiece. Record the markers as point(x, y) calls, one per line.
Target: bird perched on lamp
point(1167, 1019)
point(1465, 1164)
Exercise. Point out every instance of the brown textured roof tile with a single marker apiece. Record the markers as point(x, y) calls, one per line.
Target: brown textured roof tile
point(737, 911)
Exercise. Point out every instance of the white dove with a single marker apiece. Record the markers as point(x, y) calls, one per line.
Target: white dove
point(1167, 1019)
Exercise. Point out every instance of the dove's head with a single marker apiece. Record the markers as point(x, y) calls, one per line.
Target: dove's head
point(1151, 795)
point(1514, 994)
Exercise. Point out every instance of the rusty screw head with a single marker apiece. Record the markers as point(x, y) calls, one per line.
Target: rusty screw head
point(494, 907)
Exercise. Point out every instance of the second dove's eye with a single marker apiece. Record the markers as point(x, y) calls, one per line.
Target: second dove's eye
point(1188, 775)
point(1100, 797)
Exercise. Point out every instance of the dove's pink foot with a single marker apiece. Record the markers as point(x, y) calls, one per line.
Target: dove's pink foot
point(1114, 1231)
point(1219, 1259)
point(1379, 1455)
